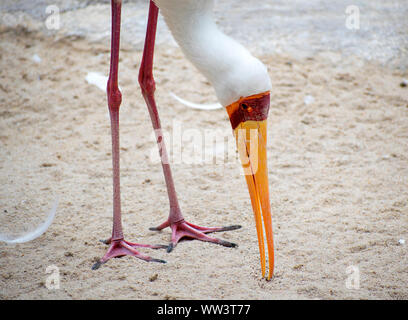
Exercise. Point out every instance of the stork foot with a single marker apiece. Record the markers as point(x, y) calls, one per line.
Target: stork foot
point(120, 248)
point(184, 229)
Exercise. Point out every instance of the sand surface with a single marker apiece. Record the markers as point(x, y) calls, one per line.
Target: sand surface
point(338, 155)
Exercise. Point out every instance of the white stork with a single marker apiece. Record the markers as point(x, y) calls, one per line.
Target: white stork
point(242, 86)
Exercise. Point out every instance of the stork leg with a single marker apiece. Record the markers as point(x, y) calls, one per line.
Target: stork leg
point(119, 247)
point(180, 228)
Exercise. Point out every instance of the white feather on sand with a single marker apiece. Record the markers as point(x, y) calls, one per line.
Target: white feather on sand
point(97, 79)
point(35, 233)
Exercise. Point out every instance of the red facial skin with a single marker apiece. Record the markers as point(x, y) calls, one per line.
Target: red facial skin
point(255, 107)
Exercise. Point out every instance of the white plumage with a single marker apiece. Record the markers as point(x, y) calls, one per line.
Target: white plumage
point(231, 69)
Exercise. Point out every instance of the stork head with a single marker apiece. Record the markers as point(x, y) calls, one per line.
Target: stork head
point(248, 116)
point(244, 91)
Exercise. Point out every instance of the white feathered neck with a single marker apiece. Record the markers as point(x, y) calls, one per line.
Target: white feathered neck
point(231, 69)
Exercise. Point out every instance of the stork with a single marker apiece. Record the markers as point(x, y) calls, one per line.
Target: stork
point(242, 86)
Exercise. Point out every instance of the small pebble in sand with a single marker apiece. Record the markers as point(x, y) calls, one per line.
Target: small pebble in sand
point(404, 83)
point(153, 277)
point(308, 100)
point(47, 165)
point(7, 275)
point(36, 58)
point(401, 242)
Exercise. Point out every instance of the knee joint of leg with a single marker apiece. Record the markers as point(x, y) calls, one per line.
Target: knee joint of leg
point(147, 84)
point(114, 97)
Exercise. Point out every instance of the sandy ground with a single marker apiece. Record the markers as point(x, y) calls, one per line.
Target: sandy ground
point(338, 178)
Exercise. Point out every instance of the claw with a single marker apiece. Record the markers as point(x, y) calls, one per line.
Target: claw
point(159, 246)
point(170, 247)
point(107, 241)
point(158, 260)
point(228, 244)
point(230, 228)
point(97, 265)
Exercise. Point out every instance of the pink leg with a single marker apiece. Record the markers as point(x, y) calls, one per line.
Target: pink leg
point(118, 246)
point(180, 228)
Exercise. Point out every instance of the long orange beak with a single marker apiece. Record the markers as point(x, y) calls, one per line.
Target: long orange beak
point(249, 120)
